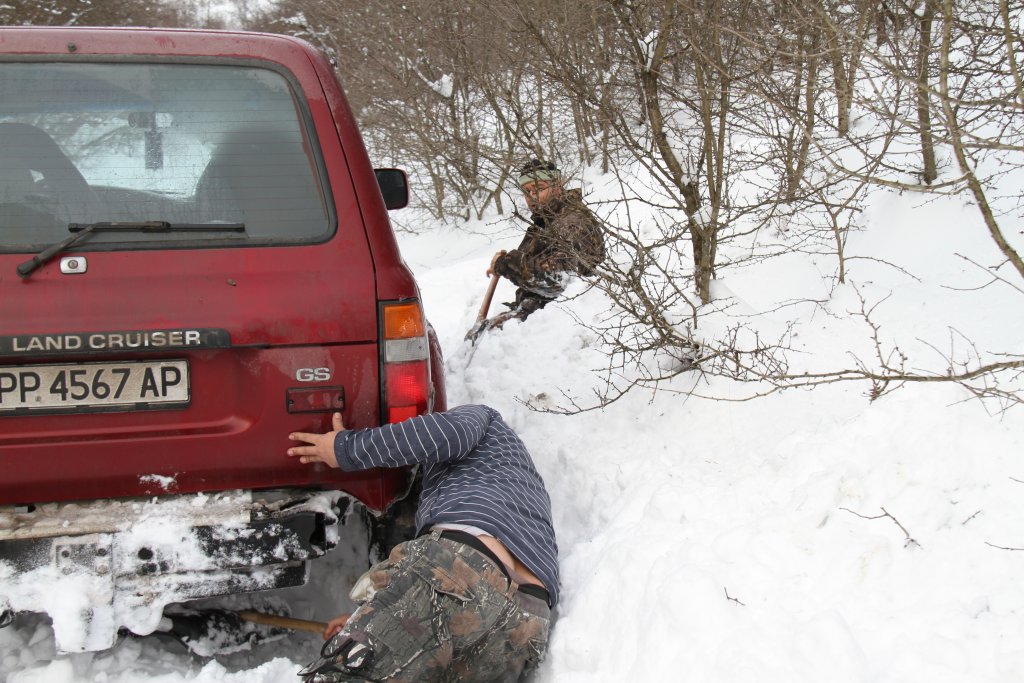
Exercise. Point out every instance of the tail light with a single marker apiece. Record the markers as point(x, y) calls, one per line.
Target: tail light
point(405, 361)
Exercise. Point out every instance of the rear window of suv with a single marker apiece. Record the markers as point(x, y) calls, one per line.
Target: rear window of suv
point(187, 144)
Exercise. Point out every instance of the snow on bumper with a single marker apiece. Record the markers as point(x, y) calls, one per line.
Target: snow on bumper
point(100, 566)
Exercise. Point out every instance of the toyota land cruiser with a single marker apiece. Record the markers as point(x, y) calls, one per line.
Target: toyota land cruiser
point(195, 260)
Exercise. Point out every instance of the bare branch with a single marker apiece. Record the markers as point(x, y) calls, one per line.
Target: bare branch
point(729, 597)
point(908, 543)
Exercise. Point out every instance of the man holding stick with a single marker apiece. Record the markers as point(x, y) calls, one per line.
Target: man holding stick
point(563, 239)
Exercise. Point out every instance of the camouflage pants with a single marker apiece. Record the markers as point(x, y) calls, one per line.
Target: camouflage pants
point(526, 303)
point(436, 610)
point(547, 282)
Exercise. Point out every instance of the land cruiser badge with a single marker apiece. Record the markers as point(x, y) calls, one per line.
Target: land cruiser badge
point(91, 343)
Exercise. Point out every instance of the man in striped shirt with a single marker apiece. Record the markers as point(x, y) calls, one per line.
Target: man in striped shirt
point(470, 598)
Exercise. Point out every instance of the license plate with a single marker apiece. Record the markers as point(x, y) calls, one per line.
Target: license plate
point(91, 387)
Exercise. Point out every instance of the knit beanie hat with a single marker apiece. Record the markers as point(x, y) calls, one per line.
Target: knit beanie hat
point(535, 170)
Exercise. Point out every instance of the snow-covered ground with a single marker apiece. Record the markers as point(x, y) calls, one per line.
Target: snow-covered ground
point(808, 536)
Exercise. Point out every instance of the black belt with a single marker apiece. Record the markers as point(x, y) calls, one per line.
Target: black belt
point(479, 546)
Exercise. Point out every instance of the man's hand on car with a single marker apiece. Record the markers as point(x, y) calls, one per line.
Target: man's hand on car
point(322, 445)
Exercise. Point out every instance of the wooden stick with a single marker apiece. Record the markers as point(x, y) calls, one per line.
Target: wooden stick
point(486, 305)
point(481, 317)
point(283, 622)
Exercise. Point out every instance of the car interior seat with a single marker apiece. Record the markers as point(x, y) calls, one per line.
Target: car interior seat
point(262, 179)
point(60, 189)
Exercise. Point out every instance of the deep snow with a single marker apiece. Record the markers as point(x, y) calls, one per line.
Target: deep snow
point(723, 541)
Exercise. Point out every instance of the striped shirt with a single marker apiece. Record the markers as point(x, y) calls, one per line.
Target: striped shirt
point(476, 471)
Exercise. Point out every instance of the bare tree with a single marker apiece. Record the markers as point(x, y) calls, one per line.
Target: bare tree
point(94, 13)
point(968, 102)
point(981, 103)
point(924, 49)
point(845, 26)
point(762, 124)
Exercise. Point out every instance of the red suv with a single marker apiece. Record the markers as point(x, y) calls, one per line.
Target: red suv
point(195, 260)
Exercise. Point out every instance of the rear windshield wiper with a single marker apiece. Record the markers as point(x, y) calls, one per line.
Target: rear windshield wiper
point(81, 231)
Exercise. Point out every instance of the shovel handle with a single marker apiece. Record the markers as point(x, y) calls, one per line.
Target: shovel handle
point(283, 622)
point(486, 305)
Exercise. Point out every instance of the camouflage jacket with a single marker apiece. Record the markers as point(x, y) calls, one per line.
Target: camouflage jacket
point(565, 238)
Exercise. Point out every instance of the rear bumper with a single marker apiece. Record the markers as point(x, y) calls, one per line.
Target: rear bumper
point(101, 566)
